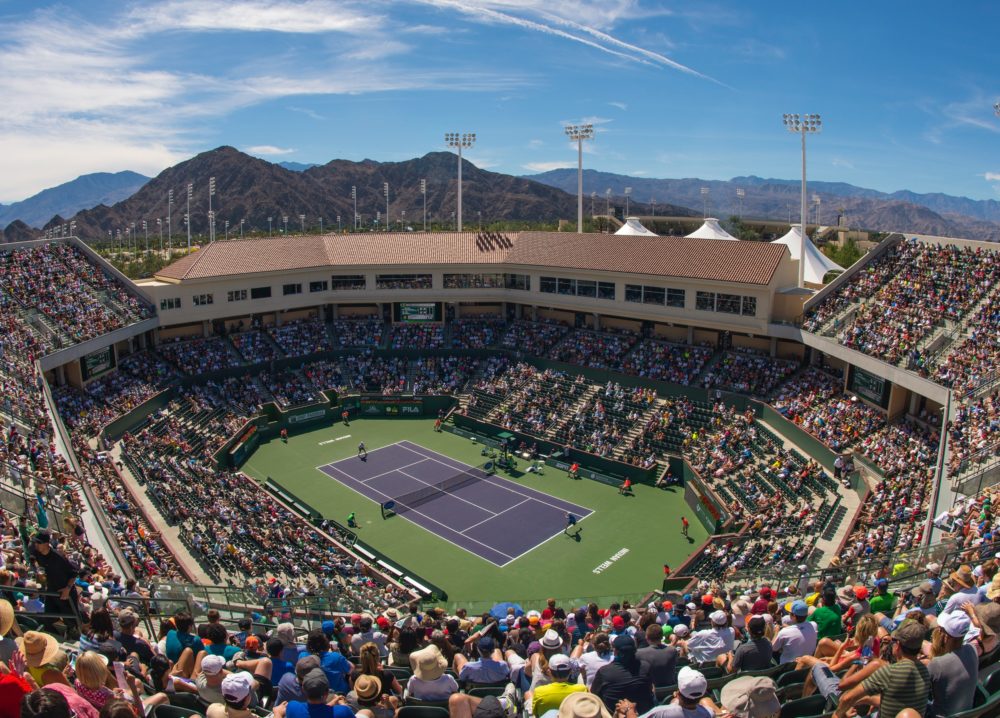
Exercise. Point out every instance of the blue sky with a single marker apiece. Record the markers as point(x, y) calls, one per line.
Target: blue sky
point(693, 89)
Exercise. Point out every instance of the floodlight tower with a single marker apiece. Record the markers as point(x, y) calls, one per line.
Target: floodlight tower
point(459, 141)
point(354, 196)
point(628, 191)
point(423, 191)
point(579, 133)
point(211, 214)
point(802, 125)
point(704, 200)
point(385, 191)
point(740, 194)
point(187, 215)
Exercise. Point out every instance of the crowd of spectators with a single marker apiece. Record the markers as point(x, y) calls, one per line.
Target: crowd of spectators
point(599, 350)
point(665, 361)
point(197, 356)
point(369, 373)
point(325, 375)
point(476, 333)
point(417, 336)
point(78, 299)
point(931, 283)
point(364, 332)
point(254, 346)
point(301, 337)
point(815, 401)
point(536, 400)
point(600, 423)
point(441, 375)
point(976, 359)
point(289, 387)
point(533, 338)
point(974, 433)
point(748, 371)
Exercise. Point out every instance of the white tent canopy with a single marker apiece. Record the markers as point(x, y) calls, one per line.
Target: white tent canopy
point(711, 230)
point(817, 264)
point(634, 227)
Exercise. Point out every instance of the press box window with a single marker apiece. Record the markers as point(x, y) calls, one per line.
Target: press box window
point(320, 286)
point(705, 301)
point(749, 306)
point(236, 295)
point(203, 300)
point(347, 281)
point(260, 292)
point(287, 289)
point(174, 303)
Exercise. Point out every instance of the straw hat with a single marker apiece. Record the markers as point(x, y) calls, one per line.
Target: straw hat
point(583, 705)
point(428, 664)
point(963, 576)
point(6, 617)
point(38, 648)
point(367, 687)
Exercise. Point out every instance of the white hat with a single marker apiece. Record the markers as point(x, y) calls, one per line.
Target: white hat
point(551, 640)
point(560, 663)
point(936, 567)
point(680, 630)
point(692, 607)
point(718, 618)
point(212, 664)
point(236, 686)
point(956, 624)
point(691, 683)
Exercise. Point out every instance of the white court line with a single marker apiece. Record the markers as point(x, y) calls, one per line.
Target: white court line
point(429, 518)
point(485, 478)
point(537, 545)
point(365, 481)
point(494, 516)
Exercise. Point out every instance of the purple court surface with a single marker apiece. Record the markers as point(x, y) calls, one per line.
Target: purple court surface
point(496, 519)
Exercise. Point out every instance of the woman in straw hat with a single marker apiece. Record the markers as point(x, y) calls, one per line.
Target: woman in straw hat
point(429, 681)
point(367, 694)
point(40, 651)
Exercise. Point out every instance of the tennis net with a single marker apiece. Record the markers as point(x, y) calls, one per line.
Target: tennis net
point(415, 499)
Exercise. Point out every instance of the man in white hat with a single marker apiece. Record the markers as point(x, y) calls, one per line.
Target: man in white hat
point(429, 681)
point(953, 673)
point(713, 643)
point(692, 686)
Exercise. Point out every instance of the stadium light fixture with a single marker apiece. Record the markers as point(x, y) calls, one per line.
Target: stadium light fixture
point(170, 211)
point(187, 215)
point(423, 191)
point(385, 191)
point(459, 141)
point(607, 208)
point(269, 232)
point(740, 194)
point(159, 227)
point(802, 125)
point(996, 108)
point(579, 133)
point(628, 192)
point(211, 214)
point(704, 201)
point(241, 229)
point(354, 196)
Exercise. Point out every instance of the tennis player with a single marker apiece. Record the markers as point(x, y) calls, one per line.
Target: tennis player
point(362, 451)
point(570, 522)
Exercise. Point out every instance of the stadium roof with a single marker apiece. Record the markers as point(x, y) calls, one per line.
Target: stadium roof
point(633, 226)
point(711, 229)
point(817, 263)
point(745, 262)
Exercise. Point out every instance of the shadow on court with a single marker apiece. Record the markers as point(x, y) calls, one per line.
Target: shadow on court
point(575, 535)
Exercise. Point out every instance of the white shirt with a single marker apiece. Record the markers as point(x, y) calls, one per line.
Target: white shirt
point(956, 600)
point(591, 662)
point(796, 641)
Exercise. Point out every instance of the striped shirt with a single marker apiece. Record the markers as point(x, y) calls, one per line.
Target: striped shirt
point(904, 684)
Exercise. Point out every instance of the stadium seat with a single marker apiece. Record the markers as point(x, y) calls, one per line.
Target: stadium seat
point(428, 711)
point(170, 711)
point(482, 691)
point(417, 703)
point(188, 701)
point(814, 705)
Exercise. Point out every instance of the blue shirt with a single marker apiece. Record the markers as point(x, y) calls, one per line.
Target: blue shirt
point(280, 667)
point(296, 709)
point(177, 642)
point(222, 649)
point(336, 668)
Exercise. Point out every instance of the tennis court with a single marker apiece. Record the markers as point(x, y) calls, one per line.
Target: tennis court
point(487, 515)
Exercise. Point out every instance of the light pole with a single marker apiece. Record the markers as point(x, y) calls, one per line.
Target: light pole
point(817, 201)
point(145, 230)
point(579, 133)
point(159, 226)
point(211, 214)
point(354, 196)
point(338, 223)
point(302, 223)
point(284, 219)
point(704, 201)
point(423, 191)
point(241, 229)
point(187, 215)
point(458, 141)
point(402, 220)
point(802, 125)
point(385, 191)
point(628, 191)
point(227, 230)
point(593, 196)
point(321, 225)
point(652, 201)
point(740, 194)
point(269, 232)
point(170, 211)
point(607, 210)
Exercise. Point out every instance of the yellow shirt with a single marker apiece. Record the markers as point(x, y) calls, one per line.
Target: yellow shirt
point(550, 696)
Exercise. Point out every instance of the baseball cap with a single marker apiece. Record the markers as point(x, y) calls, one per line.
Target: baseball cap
point(800, 608)
point(860, 593)
point(486, 644)
point(691, 683)
point(680, 630)
point(128, 617)
point(315, 684)
point(211, 664)
point(618, 623)
point(560, 663)
point(757, 624)
point(707, 599)
point(934, 568)
point(252, 643)
point(910, 635)
point(667, 606)
point(624, 642)
point(956, 624)
point(718, 618)
point(328, 627)
point(41, 537)
point(236, 686)
point(882, 583)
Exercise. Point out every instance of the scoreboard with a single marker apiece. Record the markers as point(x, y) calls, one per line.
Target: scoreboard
point(100, 362)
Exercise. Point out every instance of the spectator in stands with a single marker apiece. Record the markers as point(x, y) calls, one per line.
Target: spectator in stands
point(591, 653)
point(489, 668)
point(336, 667)
point(827, 616)
point(180, 638)
point(754, 654)
point(237, 691)
point(551, 695)
point(317, 691)
point(368, 695)
point(369, 664)
point(953, 668)
point(797, 639)
point(625, 678)
point(692, 687)
point(60, 574)
point(369, 635)
point(407, 641)
point(904, 683)
point(662, 659)
point(289, 687)
point(882, 601)
point(133, 643)
point(429, 681)
point(42, 657)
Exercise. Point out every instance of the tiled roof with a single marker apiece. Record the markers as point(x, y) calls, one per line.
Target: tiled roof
point(250, 256)
point(746, 262)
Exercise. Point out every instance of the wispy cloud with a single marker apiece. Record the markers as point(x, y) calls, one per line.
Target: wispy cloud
point(841, 162)
point(312, 114)
point(992, 176)
point(269, 150)
point(620, 105)
point(306, 17)
point(545, 166)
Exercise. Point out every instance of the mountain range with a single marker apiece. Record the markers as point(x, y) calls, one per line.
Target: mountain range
point(252, 189)
point(862, 208)
point(69, 198)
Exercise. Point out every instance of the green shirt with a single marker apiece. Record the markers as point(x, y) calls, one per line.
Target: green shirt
point(882, 603)
point(827, 621)
point(904, 684)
